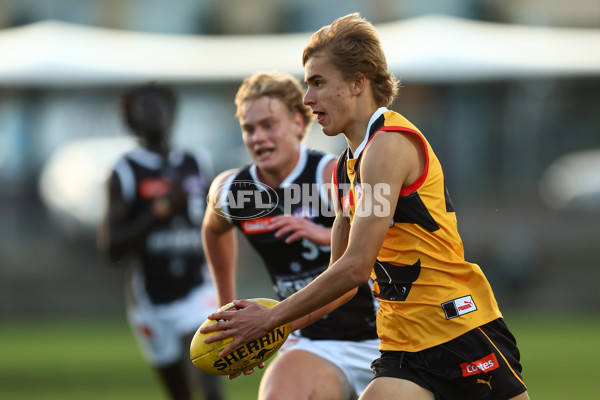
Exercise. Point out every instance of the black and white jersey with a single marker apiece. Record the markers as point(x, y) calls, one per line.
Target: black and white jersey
point(251, 205)
point(172, 257)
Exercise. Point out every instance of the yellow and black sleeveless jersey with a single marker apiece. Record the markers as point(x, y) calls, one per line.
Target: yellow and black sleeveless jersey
point(428, 293)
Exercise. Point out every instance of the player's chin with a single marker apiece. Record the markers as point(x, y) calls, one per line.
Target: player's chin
point(328, 131)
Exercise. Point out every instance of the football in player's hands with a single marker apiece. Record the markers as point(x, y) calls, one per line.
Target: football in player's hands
point(246, 356)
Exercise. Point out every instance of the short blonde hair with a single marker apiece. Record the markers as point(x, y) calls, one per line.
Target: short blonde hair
point(277, 85)
point(354, 46)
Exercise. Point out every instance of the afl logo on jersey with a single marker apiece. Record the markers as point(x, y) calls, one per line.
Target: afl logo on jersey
point(244, 199)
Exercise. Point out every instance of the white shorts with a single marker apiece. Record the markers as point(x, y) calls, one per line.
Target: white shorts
point(353, 358)
point(159, 329)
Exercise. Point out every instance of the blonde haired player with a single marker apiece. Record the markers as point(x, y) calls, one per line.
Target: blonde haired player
point(441, 331)
point(328, 359)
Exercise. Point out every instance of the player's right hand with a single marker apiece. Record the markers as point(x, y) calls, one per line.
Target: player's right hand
point(299, 228)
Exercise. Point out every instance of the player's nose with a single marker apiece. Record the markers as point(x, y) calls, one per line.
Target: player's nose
point(308, 99)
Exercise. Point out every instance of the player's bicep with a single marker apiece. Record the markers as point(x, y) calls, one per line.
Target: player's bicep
point(341, 226)
point(327, 177)
point(368, 230)
point(116, 214)
point(339, 237)
point(383, 173)
point(118, 210)
point(215, 224)
point(215, 219)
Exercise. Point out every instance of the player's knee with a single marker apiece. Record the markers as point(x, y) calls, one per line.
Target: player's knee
point(306, 392)
point(279, 383)
point(294, 384)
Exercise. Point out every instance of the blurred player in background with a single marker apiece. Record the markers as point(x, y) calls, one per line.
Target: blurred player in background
point(442, 333)
point(328, 359)
point(157, 199)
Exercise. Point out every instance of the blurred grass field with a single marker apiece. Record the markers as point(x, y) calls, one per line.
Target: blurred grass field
point(68, 359)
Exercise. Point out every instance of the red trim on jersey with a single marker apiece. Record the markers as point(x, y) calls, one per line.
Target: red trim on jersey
point(335, 181)
point(419, 182)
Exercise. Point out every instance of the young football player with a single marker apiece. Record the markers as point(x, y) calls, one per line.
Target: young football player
point(442, 334)
point(281, 205)
point(152, 226)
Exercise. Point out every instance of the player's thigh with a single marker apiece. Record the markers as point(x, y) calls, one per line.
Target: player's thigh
point(297, 374)
point(157, 340)
point(395, 388)
point(522, 396)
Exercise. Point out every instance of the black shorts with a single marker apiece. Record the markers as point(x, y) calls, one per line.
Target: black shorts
point(481, 364)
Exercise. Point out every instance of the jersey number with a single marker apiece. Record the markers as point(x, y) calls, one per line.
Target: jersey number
point(312, 250)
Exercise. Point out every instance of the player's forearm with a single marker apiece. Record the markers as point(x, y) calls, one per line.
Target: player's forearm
point(328, 291)
point(221, 254)
point(339, 238)
point(321, 312)
point(352, 269)
point(126, 238)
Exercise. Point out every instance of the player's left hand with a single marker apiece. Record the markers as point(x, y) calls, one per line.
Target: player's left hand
point(243, 325)
point(300, 228)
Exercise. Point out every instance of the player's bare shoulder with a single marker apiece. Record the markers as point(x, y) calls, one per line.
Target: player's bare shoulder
point(214, 203)
point(328, 170)
point(217, 185)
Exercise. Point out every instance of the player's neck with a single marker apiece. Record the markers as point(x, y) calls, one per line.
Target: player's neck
point(161, 148)
point(272, 179)
point(356, 130)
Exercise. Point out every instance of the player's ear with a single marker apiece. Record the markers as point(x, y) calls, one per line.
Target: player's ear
point(298, 125)
point(359, 83)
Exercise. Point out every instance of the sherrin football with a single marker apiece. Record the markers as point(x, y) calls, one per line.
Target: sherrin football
point(205, 356)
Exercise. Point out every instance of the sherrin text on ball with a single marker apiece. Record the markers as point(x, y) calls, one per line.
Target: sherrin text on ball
point(205, 356)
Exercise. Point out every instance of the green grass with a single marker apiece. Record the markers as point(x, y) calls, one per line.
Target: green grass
point(83, 360)
point(559, 354)
point(99, 359)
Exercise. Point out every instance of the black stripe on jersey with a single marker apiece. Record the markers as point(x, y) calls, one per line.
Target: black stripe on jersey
point(341, 178)
point(449, 204)
point(395, 282)
point(377, 125)
point(411, 209)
